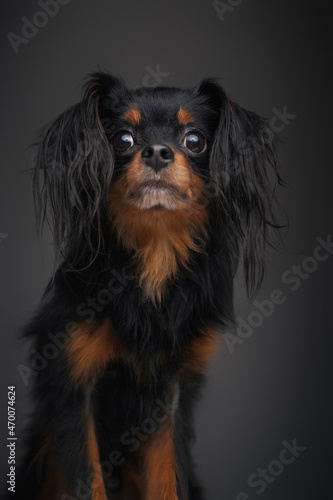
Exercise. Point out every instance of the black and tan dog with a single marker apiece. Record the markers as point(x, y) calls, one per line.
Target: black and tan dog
point(154, 196)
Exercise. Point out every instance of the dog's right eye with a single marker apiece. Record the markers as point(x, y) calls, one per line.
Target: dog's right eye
point(122, 141)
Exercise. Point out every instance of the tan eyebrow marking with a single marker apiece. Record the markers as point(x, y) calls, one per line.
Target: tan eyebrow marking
point(184, 116)
point(133, 116)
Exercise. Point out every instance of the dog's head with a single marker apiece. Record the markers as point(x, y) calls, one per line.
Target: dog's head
point(144, 162)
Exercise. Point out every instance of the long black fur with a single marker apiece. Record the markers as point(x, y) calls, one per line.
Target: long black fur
point(75, 168)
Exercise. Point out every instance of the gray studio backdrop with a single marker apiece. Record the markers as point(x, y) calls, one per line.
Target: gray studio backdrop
point(267, 388)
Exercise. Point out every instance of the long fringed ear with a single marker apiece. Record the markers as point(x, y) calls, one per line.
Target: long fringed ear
point(73, 170)
point(244, 170)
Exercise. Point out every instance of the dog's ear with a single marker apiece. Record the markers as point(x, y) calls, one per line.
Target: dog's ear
point(244, 171)
point(74, 167)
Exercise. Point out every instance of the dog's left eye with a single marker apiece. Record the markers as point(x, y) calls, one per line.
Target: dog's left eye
point(122, 141)
point(195, 142)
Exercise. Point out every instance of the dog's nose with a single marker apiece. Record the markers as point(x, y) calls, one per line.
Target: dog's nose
point(157, 156)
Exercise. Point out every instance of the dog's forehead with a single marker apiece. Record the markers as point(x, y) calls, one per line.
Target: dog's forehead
point(161, 107)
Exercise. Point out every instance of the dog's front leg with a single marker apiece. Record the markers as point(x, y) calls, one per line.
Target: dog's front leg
point(71, 453)
point(160, 465)
point(164, 477)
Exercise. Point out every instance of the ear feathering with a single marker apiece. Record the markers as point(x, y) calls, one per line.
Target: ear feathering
point(244, 171)
point(73, 171)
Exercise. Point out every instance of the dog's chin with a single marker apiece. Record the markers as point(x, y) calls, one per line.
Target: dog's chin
point(158, 197)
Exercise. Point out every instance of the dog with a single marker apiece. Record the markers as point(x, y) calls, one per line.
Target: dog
point(154, 196)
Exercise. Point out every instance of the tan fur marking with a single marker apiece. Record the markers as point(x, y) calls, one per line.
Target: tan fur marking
point(133, 116)
point(184, 116)
point(90, 348)
point(161, 238)
point(55, 482)
point(200, 351)
point(98, 489)
point(91, 95)
point(160, 466)
point(132, 482)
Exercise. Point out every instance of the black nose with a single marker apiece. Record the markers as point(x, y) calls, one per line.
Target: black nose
point(157, 156)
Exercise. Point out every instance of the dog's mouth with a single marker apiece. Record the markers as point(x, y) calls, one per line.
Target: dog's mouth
point(158, 187)
point(157, 193)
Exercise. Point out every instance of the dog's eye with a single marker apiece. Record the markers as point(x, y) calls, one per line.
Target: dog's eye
point(122, 141)
point(195, 142)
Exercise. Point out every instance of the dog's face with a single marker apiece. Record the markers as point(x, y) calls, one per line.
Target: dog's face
point(192, 156)
point(161, 142)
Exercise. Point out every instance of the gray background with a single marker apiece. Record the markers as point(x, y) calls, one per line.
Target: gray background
point(275, 385)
